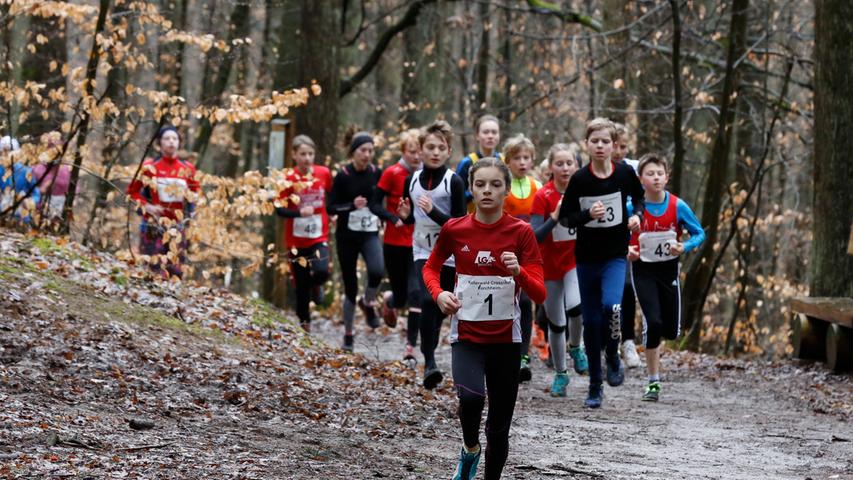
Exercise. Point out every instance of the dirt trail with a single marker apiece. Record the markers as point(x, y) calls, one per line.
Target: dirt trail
point(715, 421)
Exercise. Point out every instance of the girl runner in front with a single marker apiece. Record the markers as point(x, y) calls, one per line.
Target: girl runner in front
point(595, 204)
point(518, 154)
point(655, 251)
point(357, 230)
point(397, 241)
point(557, 243)
point(306, 231)
point(496, 258)
point(437, 195)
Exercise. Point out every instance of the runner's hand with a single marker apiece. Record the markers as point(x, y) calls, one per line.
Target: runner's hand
point(306, 211)
point(153, 210)
point(634, 223)
point(677, 249)
point(510, 262)
point(556, 213)
point(448, 303)
point(425, 203)
point(597, 210)
point(633, 253)
point(360, 202)
point(404, 209)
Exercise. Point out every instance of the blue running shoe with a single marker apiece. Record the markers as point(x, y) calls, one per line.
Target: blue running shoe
point(561, 382)
point(579, 360)
point(615, 372)
point(595, 397)
point(467, 468)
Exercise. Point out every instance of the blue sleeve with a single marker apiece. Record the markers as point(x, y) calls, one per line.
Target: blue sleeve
point(629, 206)
point(462, 170)
point(542, 226)
point(688, 220)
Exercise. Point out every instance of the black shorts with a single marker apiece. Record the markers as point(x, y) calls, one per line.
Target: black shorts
point(658, 289)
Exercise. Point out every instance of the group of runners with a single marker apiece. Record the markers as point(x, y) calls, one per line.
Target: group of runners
point(484, 244)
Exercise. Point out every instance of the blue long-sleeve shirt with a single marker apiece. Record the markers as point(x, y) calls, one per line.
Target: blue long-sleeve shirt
point(20, 181)
point(686, 219)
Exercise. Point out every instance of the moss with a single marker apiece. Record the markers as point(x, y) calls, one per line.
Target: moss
point(268, 316)
point(44, 245)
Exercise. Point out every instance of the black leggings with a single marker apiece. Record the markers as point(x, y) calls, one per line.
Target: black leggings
point(659, 292)
point(629, 308)
point(431, 316)
point(405, 287)
point(482, 370)
point(370, 249)
point(314, 273)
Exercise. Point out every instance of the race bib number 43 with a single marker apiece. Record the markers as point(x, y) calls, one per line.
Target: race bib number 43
point(362, 220)
point(485, 297)
point(308, 227)
point(612, 210)
point(656, 246)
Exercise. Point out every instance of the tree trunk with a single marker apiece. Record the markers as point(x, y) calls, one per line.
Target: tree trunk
point(678, 139)
point(612, 94)
point(420, 90)
point(831, 267)
point(694, 299)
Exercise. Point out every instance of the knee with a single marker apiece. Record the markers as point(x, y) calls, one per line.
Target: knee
point(575, 311)
point(321, 275)
point(653, 334)
point(469, 400)
point(557, 329)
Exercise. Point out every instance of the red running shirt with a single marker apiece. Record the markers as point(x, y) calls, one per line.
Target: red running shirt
point(477, 248)
point(559, 246)
point(165, 182)
point(311, 190)
point(391, 182)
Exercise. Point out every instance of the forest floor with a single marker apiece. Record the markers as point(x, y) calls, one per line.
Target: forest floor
point(106, 375)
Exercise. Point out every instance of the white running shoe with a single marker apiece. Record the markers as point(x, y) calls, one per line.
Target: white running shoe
point(629, 354)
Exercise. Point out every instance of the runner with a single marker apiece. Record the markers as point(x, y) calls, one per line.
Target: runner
point(165, 191)
point(519, 153)
point(307, 226)
point(629, 302)
point(595, 204)
point(17, 183)
point(397, 242)
point(496, 257)
point(438, 195)
point(487, 132)
point(357, 230)
point(557, 244)
point(655, 251)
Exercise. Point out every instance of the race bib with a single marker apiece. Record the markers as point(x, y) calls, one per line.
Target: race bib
point(656, 246)
point(426, 235)
point(362, 220)
point(564, 234)
point(612, 210)
point(308, 227)
point(485, 297)
point(55, 205)
point(171, 190)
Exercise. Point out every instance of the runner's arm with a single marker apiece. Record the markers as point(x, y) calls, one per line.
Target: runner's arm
point(377, 207)
point(336, 204)
point(457, 203)
point(432, 268)
point(531, 278)
point(542, 226)
point(571, 214)
point(688, 219)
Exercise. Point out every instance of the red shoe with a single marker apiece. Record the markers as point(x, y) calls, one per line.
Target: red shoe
point(389, 315)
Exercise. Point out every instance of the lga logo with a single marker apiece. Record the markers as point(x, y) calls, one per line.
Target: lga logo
point(484, 258)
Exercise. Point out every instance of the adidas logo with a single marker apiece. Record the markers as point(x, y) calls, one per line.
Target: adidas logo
point(466, 249)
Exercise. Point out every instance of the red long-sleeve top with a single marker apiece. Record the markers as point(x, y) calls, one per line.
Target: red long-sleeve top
point(164, 181)
point(490, 312)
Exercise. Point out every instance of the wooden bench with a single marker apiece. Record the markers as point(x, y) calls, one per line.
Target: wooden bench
point(823, 330)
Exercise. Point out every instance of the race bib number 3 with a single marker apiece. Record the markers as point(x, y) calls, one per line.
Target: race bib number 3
point(612, 210)
point(656, 246)
point(485, 298)
point(426, 235)
point(308, 227)
point(362, 220)
point(564, 234)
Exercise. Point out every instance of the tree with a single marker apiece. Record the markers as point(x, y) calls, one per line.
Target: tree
point(831, 268)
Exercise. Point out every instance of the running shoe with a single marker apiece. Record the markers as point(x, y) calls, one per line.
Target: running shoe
point(467, 468)
point(409, 357)
point(559, 385)
point(349, 343)
point(432, 377)
point(389, 315)
point(524, 374)
point(615, 372)
point(369, 312)
point(579, 360)
point(305, 326)
point(629, 354)
point(595, 397)
point(652, 392)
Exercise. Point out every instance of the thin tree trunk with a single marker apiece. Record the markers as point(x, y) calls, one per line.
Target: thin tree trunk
point(678, 140)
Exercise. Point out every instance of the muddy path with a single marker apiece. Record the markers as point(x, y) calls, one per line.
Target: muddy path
point(716, 420)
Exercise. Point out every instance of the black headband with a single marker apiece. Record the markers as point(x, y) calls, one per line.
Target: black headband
point(359, 140)
point(168, 128)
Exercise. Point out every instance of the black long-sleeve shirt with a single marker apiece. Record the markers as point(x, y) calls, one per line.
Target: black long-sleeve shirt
point(429, 179)
point(606, 238)
point(350, 183)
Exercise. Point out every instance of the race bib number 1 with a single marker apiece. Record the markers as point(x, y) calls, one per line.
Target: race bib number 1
point(485, 297)
point(362, 220)
point(612, 210)
point(308, 227)
point(656, 246)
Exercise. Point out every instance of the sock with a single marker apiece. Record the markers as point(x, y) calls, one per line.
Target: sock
point(471, 450)
point(558, 351)
point(654, 378)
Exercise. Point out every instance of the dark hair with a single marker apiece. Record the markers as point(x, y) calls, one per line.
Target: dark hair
point(490, 162)
point(439, 128)
point(652, 158)
point(354, 138)
point(168, 128)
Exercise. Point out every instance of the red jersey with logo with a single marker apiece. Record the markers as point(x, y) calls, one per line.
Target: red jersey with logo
point(311, 190)
point(665, 222)
point(391, 182)
point(559, 246)
point(165, 181)
point(487, 291)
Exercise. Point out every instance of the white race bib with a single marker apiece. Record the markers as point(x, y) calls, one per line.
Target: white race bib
point(564, 234)
point(656, 246)
point(426, 235)
point(612, 209)
point(55, 206)
point(171, 190)
point(362, 220)
point(308, 227)
point(485, 297)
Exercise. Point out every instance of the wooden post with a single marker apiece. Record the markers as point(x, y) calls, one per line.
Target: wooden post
point(274, 283)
